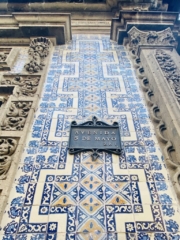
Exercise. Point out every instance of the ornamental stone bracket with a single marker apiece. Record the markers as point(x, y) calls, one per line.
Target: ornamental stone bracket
point(38, 52)
point(157, 64)
point(137, 39)
point(145, 20)
point(19, 97)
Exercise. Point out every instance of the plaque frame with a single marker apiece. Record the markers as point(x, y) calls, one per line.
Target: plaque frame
point(94, 123)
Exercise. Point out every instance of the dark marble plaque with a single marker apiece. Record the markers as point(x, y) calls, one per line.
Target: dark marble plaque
point(94, 136)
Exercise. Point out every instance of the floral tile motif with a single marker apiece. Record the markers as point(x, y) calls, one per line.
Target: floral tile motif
point(57, 196)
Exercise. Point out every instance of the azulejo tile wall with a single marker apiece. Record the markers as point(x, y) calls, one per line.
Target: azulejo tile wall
point(60, 196)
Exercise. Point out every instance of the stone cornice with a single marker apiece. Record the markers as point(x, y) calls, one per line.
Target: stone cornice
point(130, 6)
point(143, 20)
point(18, 27)
point(58, 6)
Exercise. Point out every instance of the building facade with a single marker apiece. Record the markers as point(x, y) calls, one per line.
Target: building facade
point(96, 62)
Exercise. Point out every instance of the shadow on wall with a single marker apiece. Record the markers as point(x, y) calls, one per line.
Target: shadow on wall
point(173, 5)
point(69, 1)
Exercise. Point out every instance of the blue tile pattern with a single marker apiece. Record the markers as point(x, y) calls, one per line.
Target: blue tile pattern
point(60, 196)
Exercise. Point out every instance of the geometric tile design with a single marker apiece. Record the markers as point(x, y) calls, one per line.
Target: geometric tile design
point(60, 196)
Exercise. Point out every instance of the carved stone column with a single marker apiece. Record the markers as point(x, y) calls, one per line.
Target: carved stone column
point(158, 68)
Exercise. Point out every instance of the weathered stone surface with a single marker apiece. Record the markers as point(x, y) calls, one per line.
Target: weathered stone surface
point(19, 96)
point(170, 71)
point(143, 20)
point(7, 58)
point(16, 116)
point(139, 38)
point(7, 148)
point(26, 25)
point(157, 61)
point(38, 51)
point(26, 85)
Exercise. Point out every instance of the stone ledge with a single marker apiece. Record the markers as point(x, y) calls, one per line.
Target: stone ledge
point(58, 6)
point(163, 108)
point(28, 25)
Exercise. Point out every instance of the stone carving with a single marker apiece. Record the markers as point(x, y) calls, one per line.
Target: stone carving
point(137, 38)
point(3, 57)
point(158, 117)
point(152, 7)
point(170, 71)
point(169, 39)
point(151, 37)
point(157, 7)
point(7, 148)
point(140, 8)
point(38, 51)
point(27, 84)
point(16, 116)
point(3, 100)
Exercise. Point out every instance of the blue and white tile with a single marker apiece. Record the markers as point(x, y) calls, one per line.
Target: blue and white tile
point(152, 236)
point(70, 197)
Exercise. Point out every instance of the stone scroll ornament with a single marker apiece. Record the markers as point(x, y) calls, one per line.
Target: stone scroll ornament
point(170, 71)
point(95, 136)
point(16, 116)
point(38, 51)
point(139, 38)
point(7, 148)
point(27, 85)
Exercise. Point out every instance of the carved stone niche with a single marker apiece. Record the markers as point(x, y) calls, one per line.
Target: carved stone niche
point(15, 116)
point(26, 85)
point(8, 146)
point(7, 58)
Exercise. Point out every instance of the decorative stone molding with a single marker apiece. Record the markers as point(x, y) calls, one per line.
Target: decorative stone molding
point(38, 51)
point(135, 6)
point(138, 38)
point(27, 85)
point(19, 96)
point(145, 21)
point(91, 26)
point(3, 56)
point(19, 27)
point(7, 148)
point(16, 116)
point(156, 65)
point(7, 58)
point(170, 71)
point(61, 6)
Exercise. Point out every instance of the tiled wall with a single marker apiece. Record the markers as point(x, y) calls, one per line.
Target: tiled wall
point(60, 196)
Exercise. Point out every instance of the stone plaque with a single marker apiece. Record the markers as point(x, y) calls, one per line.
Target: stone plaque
point(95, 136)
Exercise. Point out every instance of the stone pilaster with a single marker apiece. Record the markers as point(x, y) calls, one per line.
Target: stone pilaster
point(157, 64)
point(19, 97)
